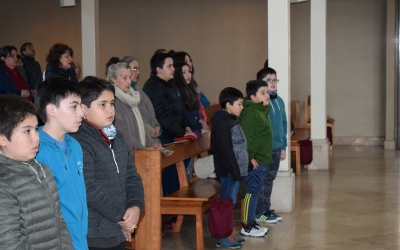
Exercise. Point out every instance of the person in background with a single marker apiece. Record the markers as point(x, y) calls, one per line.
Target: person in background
point(185, 57)
point(128, 118)
point(11, 79)
point(32, 67)
point(145, 106)
point(21, 69)
point(59, 63)
point(188, 96)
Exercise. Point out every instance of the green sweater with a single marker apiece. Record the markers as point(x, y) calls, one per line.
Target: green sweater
point(256, 125)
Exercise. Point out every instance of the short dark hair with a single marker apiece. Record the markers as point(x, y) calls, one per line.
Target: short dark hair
point(112, 60)
point(160, 51)
point(158, 61)
point(6, 51)
point(92, 87)
point(264, 72)
point(56, 52)
point(23, 47)
point(52, 91)
point(14, 110)
point(253, 86)
point(230, 95)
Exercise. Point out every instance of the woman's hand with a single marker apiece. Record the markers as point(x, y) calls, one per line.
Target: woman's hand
point(155, 132)
point(25, 93)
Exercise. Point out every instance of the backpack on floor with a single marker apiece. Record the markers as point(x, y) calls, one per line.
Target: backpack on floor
point(220, 217)
point(306, 149)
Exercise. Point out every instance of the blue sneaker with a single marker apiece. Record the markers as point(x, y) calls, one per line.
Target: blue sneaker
point(239, 240)
point(272, 213)
point(226, 243)
point(266, 217)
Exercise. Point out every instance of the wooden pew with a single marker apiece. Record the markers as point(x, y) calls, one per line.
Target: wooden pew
point(190, 199)
point(210, 111)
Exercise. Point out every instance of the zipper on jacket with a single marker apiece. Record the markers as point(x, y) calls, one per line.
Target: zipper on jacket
point(115, 161)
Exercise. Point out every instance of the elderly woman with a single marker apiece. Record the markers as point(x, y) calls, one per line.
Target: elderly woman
point(11, 79)
point(59, 62)
point(145, 106)
point(128, 118)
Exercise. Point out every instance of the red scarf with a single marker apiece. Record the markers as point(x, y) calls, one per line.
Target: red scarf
point(18, 80)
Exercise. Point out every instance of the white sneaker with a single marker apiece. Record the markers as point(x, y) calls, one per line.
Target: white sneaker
point(253, 229)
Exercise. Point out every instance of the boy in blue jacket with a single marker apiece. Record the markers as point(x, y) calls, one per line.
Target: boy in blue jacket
point(279, 144)
point(60, 109)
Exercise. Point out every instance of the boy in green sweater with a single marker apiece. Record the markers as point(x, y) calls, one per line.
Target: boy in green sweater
point(256, 125)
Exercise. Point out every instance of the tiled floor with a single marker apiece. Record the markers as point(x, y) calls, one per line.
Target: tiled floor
point(354, 205)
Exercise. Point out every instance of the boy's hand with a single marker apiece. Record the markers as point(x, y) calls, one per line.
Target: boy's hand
point(131, 219)
point(255, 164)
point(283, 155)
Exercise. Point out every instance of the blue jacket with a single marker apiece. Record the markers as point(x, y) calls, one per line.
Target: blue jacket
point(68, 174)
point(279, 123)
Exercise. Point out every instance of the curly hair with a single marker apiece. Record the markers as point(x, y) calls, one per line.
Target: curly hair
point(56, 52)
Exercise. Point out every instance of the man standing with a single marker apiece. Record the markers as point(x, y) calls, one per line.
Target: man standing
point(31, 66)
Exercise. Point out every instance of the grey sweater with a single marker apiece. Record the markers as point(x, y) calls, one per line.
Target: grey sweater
point(30, 215)
point(111, 187)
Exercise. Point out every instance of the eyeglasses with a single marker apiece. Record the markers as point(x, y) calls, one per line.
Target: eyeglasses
point(137, 70)
point(271, 80)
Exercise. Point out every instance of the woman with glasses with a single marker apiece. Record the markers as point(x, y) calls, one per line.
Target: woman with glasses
point(128, 118)
point(145, 106)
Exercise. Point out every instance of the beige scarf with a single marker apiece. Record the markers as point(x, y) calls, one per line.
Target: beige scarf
point(132, 99)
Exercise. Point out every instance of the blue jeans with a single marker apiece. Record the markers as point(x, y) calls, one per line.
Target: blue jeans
point(229, 188)
point(264, 200)
point(254, 181)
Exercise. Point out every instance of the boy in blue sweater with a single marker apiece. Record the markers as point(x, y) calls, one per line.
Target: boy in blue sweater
point(279, 144)
point(60, 109)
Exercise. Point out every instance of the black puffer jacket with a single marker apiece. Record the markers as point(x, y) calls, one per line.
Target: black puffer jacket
point(30, 215)
point(165, 98)
point(229, 146)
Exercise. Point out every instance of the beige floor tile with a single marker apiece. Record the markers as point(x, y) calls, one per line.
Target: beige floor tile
point(354, 205)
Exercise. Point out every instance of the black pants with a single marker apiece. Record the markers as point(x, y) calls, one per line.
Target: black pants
point(119, 247)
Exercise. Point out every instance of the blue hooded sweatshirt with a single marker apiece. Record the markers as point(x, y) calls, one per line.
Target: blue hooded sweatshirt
point(68, 174)
point(278, 122)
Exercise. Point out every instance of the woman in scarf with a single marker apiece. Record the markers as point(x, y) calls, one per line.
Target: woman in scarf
point(128, 118)
point(145, 106)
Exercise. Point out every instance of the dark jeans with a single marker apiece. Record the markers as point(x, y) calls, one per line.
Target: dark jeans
point(229, 188)
point(264, 199)
point(119, 247)
point(254, 181)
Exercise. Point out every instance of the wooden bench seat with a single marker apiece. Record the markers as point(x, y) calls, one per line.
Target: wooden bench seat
point(190, 199)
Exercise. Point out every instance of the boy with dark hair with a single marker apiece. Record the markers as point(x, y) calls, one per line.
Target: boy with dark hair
point(114, 189)
point(59, 104)
point(257, 128)
point(30, 215)
point(164, 96)
point(279, 129)
point(229, 148)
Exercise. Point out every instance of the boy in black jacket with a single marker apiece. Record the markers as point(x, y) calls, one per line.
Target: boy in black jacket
point(229, 147)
